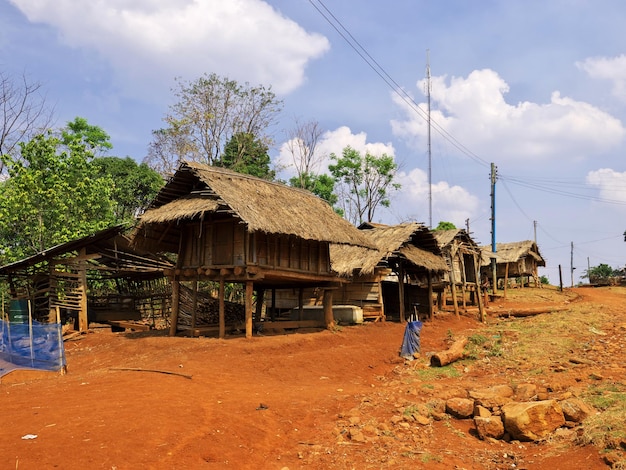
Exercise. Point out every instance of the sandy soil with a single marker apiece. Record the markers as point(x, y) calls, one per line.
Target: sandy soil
point(312, 399)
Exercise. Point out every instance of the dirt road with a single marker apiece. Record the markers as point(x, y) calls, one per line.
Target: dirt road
point(314, 399)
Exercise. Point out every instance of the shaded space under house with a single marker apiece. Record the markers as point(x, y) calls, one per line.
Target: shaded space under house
point(229, 228)
point(396, 278)
point(516, 263)
point(462, 279)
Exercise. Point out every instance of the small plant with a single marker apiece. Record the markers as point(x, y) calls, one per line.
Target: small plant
point(433, 373)
point(428, 457)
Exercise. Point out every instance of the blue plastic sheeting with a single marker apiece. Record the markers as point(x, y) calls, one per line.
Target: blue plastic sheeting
point(411, 341)
point(44, 352)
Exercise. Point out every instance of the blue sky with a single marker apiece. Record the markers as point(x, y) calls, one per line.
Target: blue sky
point(536, 87)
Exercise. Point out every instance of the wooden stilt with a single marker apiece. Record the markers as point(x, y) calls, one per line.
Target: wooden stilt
point(329, 317)
point(401, 292)
point(175, 306)
point(222, 309)
point(249, 292)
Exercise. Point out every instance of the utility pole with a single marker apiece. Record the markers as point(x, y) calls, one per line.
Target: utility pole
point(494, 174)
point(571, 262)
point(430, 168)
point(467, 225)
point(535, 230)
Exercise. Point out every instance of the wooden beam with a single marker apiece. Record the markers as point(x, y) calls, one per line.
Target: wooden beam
point(401, 291)
point(222, 309)
point(249, 292)
point(83, 322)
point(175, 306)
point(327, 302)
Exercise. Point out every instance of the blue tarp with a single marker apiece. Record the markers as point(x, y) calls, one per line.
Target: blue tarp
point(38, 348)
point(411, 342)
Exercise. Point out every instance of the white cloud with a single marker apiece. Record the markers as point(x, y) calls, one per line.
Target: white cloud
point(332, 142)
point(612, 184)
point(474, 111)
point(449, 203)
point(608, 68)
point(149, 42)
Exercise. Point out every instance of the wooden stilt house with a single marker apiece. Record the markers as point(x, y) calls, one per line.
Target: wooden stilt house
point(462, 279)
point(98, 278)
point(228, 227)
point(396, 278)
point(516, 263)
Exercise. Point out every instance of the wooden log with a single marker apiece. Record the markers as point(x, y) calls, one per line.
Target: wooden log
point(454, 353)
point(529, 312)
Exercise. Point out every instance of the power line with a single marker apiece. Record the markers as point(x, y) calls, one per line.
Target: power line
point(393, 85)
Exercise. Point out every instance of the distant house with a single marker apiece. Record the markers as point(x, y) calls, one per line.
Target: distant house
point(233, 228)
point(514, 262)
point(463, 257)
point(396, 277)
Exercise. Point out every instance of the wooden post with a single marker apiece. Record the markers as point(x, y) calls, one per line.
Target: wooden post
point(175, 306)
point(401, 291)
point(249, 292)
point(381, 300)
point(273, 311)
point(194, 303)
point(221, 314)
point(430, 295)
point(260, 295)
point(453, 288)
point(58, 319)
point(300, 304)
point(83, 321)
point(506, 279)
point(327, 302)
point(481, 305)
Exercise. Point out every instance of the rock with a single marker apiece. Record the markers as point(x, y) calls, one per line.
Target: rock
point(525, 392)
point(437, 408)
point(481, 412)
point(532, 421)
point(575, 410)
point(492, 396)
point(461, 408)
point(356, 435)
point(452, 392)
point(489, 428)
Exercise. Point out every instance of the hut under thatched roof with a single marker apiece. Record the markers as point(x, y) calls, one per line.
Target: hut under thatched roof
point(397, 273)
point(229, 227)
point(70, 280)
point(513, 260)
point(463, 257)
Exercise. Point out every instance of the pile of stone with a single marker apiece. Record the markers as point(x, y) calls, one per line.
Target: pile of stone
point(501, 412)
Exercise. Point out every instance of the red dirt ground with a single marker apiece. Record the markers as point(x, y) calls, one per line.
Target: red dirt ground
point(315, 399)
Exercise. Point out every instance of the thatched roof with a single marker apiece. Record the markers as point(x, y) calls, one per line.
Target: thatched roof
point(513, 252)
point(114, 255)
point(197, 190)
point(446, 237)
point(411, 241)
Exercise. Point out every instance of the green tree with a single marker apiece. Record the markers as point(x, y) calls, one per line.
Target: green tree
point(134, 185)
point(322, 186)
point(53, 194)
point(94, 137)
point(445, 226)
point(207, 113)
point(245, 154)
point(363, 183)
point(602, 272)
